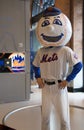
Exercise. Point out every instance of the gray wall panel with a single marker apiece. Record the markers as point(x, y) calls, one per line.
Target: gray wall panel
point(12, 25)
point(12, 87)
point(15, 37)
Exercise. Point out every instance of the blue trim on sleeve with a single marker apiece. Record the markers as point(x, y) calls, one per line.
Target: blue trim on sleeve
point(37, 71)
point(75, 71)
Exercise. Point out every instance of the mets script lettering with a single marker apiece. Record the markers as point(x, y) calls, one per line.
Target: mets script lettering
point(47, 58)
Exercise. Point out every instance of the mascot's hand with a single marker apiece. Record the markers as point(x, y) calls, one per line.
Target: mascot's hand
point(63, 84)
point(40, 82)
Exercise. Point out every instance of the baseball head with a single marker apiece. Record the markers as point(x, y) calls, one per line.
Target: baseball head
point(54, 28)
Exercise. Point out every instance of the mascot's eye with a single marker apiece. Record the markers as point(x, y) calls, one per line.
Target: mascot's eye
point(57, 21)
point(45, 23)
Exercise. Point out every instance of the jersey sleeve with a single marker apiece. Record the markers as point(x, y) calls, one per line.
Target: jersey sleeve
point(72, 57)
point(37, 71)
point(76, 69)
point(36, 61)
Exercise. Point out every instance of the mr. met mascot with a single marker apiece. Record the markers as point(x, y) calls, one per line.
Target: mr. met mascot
point(51, 65)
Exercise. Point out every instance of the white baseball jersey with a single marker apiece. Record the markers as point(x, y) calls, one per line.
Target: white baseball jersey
point(54, 61)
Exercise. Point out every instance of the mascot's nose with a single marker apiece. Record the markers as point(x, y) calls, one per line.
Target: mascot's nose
point(50, 28)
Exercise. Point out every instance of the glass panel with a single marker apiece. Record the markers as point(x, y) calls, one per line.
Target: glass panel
point(78, 37)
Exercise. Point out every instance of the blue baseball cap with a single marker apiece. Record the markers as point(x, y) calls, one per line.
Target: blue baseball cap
point(51, 11)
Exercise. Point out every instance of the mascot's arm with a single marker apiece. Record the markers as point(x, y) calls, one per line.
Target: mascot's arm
point(37, 72)
point(75, 71)
point(38, 76)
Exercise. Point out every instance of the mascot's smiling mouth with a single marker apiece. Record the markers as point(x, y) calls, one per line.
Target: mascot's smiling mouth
point(51, 38)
